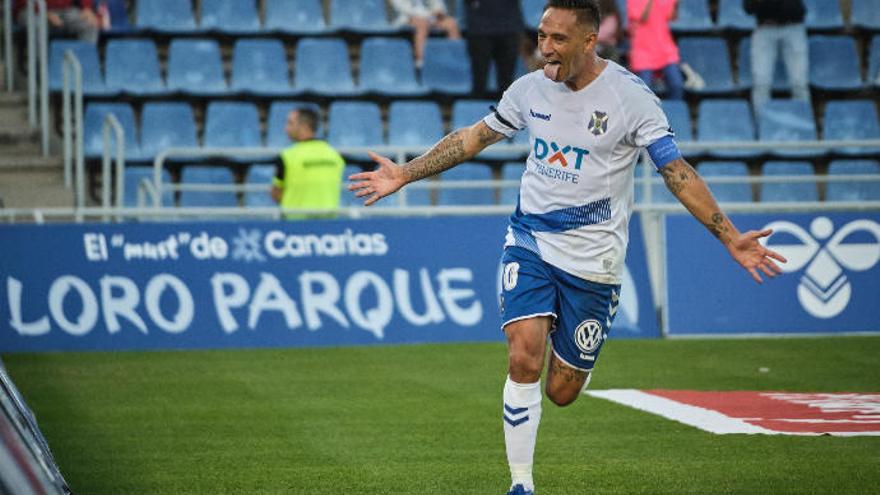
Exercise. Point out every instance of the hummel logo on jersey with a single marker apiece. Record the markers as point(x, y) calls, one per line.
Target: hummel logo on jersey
point(556, 154)
point(542, 116)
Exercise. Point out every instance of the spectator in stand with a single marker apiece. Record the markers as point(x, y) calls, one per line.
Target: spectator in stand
point(74, 18)
point(494, 33)
point(609, 31)
point(423, 15)
point(780, 27)
point(652, 47)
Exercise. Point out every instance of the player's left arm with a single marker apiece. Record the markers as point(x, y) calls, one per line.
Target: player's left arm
point(690, 189)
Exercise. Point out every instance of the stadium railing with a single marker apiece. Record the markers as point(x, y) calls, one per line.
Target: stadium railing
point(8, 59)
point(37, 53)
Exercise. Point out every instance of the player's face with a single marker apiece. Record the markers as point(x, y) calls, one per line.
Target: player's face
point(565, 44)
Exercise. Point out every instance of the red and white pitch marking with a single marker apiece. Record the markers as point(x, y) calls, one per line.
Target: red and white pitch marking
point(769, 413)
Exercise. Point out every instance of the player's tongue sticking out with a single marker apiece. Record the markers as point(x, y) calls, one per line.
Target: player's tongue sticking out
point(551, 70)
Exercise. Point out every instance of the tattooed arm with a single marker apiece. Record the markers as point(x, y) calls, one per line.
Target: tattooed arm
point(456, 147)
point(684, 182)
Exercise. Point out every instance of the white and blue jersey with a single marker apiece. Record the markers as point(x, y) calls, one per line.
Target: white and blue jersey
point(576, 194)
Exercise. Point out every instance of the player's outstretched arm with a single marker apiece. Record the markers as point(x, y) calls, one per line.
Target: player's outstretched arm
point(684, 182)
point(456, 147)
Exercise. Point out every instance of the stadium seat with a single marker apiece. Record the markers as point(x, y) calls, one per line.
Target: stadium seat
point(259, 66)
point(230, 16)
point(414, 123)
point(834, 63)
point(693, 16)
point(708, 56)
point(301, 17)
point(118, 12)
point(856, 190)
point(132, 67)
point(87, 54)
point(744, 64)
point(259, 174)
point(468, 171)
point(276, 136)
point(731, 15)
point(354, 124)
point(134, 175)
point(232, 124)
point(207, 175)
point(823, 15)
point(166, 125)
point(851, 119)
point(387, 67)
point(728, 192)
point(788, 191)
point(865, 14)
point(680, 120)
point(532, 11)
point(165, 16)
point(874, 61)
point(788, 120)
point(347, 198)
point(726, 120)
point(447, 67)
point(360, 16)
point(93, 134)
point(195, 67)
point(323, 67)
point(467, 112)
point(511, 171)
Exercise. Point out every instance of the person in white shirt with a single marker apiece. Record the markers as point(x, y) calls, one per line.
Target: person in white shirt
point(423, 15)
point(587, 119)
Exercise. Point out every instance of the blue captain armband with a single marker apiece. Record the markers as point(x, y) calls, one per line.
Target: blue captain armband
point(663, 151)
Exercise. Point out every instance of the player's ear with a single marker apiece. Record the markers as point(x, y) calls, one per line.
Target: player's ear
point(590, 41)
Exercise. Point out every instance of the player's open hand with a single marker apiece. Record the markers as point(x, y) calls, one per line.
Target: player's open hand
point(375, 185)
point(753, 256)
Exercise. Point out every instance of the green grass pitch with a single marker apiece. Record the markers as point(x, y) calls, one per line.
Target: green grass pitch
point(426, 419)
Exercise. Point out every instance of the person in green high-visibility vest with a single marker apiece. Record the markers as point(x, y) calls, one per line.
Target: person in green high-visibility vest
point(309, 172)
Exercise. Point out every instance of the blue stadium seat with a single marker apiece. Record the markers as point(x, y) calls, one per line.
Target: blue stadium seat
point(276, 136)
point(680, 120)
point(744, 64)
point(511, 171)
point(857, 190)
point(354, 124)
point(259, 66)
point(323, 67)
point(874, 61)
point(132, 66)
point(387, 67)
point(788, 191)
point(532, 11)
point(302, 17)
point(693, 16)
point(195, 67)
point(134, 175)
point(788, 120)
point(468, 171)
point(232, 124)
point(466, 113)
point(709, 57)
point(866, 14)
point(259, 174)
point(93, 135)
point(414, 123)
point(731, 15)
point(834, 63)
point(166, 125)
point(851, 119)
point(732, 192)
point(230, 16)
point(87, 53)
point(726, 120)
point(346, 197)
point(207, 174)
point(165, 16)
point(119, 22)
point(823, 15)
point(360, 16)
point(447, 67)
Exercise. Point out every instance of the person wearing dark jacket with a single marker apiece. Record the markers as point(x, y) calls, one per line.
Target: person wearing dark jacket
point(494, 33)
point(66, 18)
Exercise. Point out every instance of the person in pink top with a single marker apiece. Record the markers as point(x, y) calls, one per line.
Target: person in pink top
point(652, 48)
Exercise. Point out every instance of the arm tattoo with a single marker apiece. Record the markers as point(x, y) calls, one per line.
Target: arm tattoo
point(677, 175)
point(443, 156)
point(568, 374)
point(717, 227)
point(487, 136)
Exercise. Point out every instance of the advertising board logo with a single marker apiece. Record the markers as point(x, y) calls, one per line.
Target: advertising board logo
point(826, 255)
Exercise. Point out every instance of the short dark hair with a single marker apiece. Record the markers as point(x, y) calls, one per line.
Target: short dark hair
point(587, 11)
point(308, 117)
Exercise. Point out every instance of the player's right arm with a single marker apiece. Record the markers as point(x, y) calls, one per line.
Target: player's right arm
point(458, 146)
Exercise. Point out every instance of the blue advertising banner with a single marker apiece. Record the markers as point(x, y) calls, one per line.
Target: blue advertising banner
point(261, 284)
point(831, 283)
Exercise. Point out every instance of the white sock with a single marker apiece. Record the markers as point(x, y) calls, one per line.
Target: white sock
point(522, 414)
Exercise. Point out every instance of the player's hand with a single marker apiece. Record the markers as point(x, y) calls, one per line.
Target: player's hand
point(385, 180)
point(753, 256)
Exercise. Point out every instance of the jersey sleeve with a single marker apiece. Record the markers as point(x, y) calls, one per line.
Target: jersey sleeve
point(507, 118)
point(651, 130)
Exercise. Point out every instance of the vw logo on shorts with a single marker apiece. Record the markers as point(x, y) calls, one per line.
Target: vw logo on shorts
point(588, 335)
point(510, 276)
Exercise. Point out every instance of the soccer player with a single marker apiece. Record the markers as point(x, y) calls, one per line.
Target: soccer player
point(587, 119)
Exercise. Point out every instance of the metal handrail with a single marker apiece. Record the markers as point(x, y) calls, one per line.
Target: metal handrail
point(43, 58)
point(73, 150)
point(111, 124)
point(7, 46)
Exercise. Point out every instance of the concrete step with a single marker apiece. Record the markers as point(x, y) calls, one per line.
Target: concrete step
point(34, 189)
point(18, 134)
point(29, 162)
point(14, 99)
